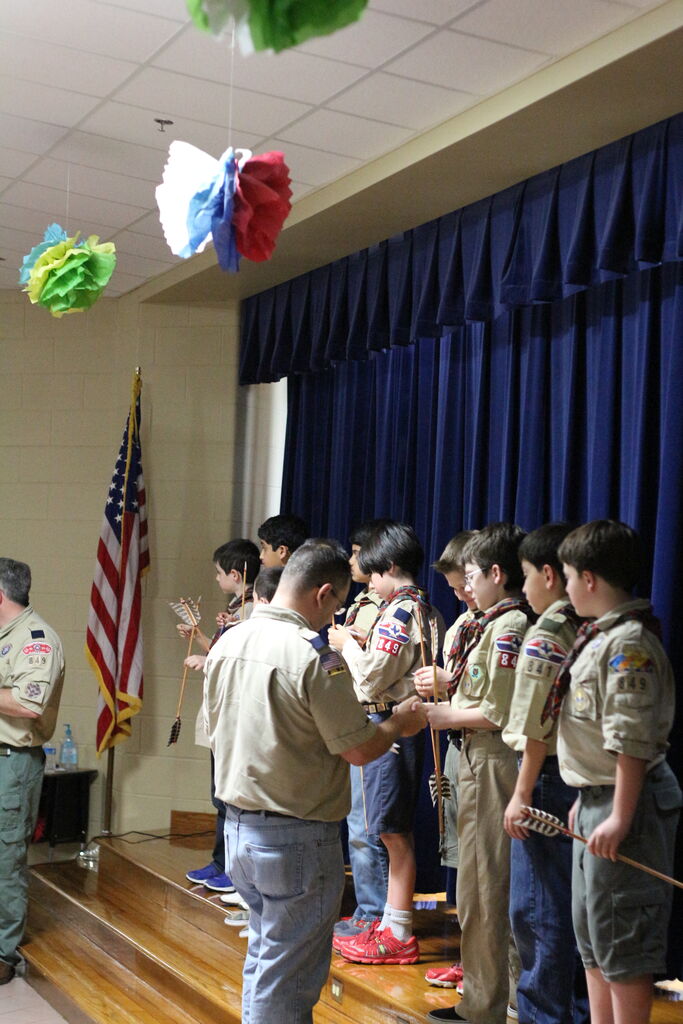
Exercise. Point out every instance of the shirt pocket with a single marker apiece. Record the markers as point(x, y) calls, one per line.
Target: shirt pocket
point(475, 679)
point(582, 700)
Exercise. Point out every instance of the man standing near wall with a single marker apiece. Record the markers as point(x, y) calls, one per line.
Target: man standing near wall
point(31, 679)
point(285, 724)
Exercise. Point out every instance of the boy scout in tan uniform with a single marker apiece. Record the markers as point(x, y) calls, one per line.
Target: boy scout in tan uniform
point(31, 679)
point(615, 693)
point(485, 674)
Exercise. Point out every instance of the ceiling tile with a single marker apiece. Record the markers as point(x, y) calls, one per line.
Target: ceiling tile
point(138, 244)
point(43, 103)
point(31, 136)
point(371, 41)
point(111, 155)
point(14, 162)
point(86, 181)
point(4, 182)
point(344, 133)
point(176, 9)
point(27, 226)
point(458, 61)
point(149, 225)
point(550, 26)
point(402, 101)
point(82, 209)
point(9, 277)
point(136, 125)
point(122, 283)
point(436, 12)
point(96, 28)
point(140, 266)
point(313, 166)
point(195, 97)
point(37, 61)
point(292, 74)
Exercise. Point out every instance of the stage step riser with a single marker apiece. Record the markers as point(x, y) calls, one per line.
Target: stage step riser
point(117, 873)
point(185, 991)
point(86, 985)
point(356, 1004)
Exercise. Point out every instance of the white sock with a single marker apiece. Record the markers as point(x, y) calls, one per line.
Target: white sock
point(402, 924)
point(386, 917)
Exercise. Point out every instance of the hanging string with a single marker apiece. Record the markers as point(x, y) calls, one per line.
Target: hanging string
point(68, 196)
point(232, 75)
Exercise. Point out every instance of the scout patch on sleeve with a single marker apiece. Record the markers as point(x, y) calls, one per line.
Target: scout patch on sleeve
point(33, 691)
point(508, 646)
point(37, 653)
point(543, 657)
point(631, 673)
point(472, 679)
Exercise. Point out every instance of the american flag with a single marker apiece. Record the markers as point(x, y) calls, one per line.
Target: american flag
point(114, 637)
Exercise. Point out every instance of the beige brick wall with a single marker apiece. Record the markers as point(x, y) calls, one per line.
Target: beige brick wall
point(65, 399)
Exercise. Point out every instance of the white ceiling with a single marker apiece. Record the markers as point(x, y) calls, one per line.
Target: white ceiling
point(83, 81)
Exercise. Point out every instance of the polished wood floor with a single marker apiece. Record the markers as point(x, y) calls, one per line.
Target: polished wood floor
point(135, 943)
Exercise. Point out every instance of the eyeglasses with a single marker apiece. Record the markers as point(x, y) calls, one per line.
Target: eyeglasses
point(340, 603)
point(469, 576)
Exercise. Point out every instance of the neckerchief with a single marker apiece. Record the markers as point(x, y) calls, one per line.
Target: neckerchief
point(234, 608)
point(558, 690)
point(468, 637)
point(352, 614)
point(414, 594)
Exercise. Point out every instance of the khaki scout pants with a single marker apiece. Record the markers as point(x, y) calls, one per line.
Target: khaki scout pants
point(21, 779)
point(487, 776)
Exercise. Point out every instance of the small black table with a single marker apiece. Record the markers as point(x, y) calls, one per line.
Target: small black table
point(64, 808)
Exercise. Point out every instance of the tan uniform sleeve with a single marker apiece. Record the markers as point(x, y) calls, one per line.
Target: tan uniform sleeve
point(35, 668)
point(391, 653)
point(497, 671)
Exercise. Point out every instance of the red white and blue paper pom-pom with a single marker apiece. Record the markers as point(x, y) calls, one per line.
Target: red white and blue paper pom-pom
point(239, 201)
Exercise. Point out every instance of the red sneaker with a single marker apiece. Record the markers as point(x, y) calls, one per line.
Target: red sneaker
point(380, 946)
point(444, 977)
point(339, 939)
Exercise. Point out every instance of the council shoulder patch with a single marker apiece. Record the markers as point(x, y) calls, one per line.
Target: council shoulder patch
point(36, 648)
point(632, 659)
point(545, 650)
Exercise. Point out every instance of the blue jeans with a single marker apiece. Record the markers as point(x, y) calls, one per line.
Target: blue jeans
point(552, 985)
point(291, 875)
point(368, 856)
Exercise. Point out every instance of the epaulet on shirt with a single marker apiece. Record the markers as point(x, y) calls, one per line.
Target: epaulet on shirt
point(551, 625)
point(330, 660)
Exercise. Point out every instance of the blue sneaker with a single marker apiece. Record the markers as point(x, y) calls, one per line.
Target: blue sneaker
point(219, 883)
point(201, 874)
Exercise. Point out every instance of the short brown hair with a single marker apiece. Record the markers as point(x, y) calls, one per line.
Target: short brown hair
point(451, 559)
point(606, 547)
point(498, 544)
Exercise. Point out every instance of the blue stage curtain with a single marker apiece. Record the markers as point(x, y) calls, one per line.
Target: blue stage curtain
point(571, 410)
point(592, 220)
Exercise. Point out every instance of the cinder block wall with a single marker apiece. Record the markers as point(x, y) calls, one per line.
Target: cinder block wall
point(65, 400)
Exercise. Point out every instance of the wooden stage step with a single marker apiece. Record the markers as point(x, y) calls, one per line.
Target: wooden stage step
point(135, 943)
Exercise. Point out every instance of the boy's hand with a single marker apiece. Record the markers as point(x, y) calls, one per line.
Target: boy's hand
point(337, 637)
point(424, 681)
point(513, 812)
point(411, 716)
point(439, 715)
point(184, 630)
point(224, 619)
point(605, 839)
point(195, 661)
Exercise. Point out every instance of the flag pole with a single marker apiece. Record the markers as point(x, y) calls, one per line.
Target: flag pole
point(108, 792)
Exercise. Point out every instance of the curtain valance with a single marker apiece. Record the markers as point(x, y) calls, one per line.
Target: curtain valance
point(595, 218)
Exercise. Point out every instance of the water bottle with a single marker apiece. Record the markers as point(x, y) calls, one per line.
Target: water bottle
point(68, 753)
point(50, 757)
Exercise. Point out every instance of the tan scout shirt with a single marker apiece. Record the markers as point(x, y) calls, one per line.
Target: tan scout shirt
point(201, 729)
point(488, 682)
point(366, 605)
point(620, 701)
point(280, 712)
point(383, 670)
point(545, 647)
point(32, 666)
